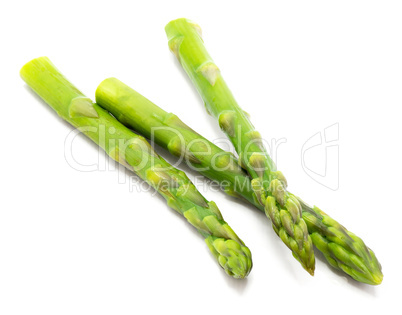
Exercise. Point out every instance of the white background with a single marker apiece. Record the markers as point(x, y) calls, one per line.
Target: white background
point(74, 242)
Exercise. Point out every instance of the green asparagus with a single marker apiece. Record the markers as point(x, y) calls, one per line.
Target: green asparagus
point(342, 249)
point(135, 153)
point(268, 183)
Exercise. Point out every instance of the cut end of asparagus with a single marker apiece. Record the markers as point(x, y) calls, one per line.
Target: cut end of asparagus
point(172, 25)
point(26, 69)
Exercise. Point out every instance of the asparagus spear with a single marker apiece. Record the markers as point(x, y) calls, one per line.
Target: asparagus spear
point(268, 183)
point(342, 249)
point(136, 154)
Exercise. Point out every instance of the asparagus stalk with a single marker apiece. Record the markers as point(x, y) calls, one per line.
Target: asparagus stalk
point(136, 154)
point(342, 249)
point(135, 111)
point(268, 183)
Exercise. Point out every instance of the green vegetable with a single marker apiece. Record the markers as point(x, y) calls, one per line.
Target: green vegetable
point(268, 183)
point(136, 154)
point(341, 248)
